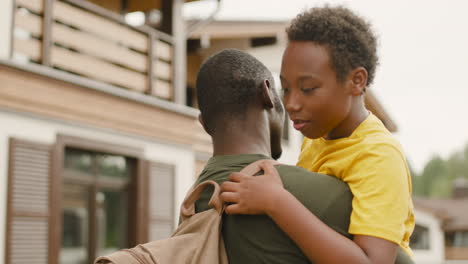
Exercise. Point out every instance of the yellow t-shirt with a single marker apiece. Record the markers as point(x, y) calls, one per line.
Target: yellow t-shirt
point(371, 161)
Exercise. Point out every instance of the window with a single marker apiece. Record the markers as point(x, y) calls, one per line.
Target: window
point(420, 238)
point(95, 204)
point(456, 239)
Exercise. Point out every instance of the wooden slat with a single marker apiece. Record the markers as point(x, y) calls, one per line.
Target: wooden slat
point(163, 50)
point(30, 195)
point(98, 47)
point(94, 68)
point(28, 22)
point(29, 240)
point(162, 70)
point(100, 26)
point(162, 89)
point(29, 47)
point(33, 5)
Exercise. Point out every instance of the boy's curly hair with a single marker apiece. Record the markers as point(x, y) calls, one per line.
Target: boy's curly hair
point(348, 37)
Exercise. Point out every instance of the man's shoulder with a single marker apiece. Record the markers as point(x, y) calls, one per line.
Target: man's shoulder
point(300, 178)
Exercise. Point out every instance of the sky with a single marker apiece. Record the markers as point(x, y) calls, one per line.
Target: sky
point(422, 77)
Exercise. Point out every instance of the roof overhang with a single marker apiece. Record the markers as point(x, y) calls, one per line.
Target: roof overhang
point(131, 5)
point(232, 29)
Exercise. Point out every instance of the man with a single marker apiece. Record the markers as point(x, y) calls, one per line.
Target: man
point(243, 114)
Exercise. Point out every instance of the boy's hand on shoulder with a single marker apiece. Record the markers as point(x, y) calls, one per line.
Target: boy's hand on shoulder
point(248, 194)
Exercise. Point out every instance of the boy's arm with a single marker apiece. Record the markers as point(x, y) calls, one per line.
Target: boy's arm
point(320, 243)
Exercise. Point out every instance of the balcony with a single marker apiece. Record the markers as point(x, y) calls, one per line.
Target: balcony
point(86, 40)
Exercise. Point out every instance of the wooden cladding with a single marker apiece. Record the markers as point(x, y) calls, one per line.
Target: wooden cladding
point(28, 203)
point(105, 28)
point(79, 39)
point(161, 200)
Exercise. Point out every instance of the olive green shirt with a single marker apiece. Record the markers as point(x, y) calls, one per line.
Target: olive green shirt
point(256, 238)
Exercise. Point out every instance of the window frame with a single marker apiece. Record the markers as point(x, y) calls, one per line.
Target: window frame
point(138, 200)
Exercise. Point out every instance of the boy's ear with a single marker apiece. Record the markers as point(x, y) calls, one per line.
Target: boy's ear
point(266, 94)
point(358, 81)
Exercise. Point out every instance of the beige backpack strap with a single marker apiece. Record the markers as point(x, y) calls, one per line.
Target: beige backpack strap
point(187, 208)
point(254, 167)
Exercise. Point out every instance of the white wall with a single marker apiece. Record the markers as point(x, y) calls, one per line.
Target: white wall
point(6, 8)
point(45, 131)
point(436, 253)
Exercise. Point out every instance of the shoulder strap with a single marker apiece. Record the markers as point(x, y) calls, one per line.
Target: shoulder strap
point(187, 208)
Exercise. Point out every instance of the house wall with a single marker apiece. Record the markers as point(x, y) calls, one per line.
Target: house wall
point(435, 255)
point(44, 130)
point(6, 7)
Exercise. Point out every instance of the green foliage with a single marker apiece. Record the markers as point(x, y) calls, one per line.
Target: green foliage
point(436, 180)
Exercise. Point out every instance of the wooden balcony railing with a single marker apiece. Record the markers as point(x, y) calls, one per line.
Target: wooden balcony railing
point(87, 40)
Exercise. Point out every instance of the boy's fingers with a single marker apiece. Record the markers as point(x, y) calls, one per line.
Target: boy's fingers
point(236, 176)
point(229, 186)
point(256, 166)
point(269, 169)
point(230, 197)
point(232, 209)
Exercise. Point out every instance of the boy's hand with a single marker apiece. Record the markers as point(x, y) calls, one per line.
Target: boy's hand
point(253, 194)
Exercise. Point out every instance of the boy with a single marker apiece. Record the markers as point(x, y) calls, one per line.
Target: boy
point(328, 63)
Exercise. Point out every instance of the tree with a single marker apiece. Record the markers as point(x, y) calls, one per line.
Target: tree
point(438, 175)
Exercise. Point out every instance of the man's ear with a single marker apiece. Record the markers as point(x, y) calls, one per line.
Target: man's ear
point(266, 94)
point(200, 119)
point(358, 81)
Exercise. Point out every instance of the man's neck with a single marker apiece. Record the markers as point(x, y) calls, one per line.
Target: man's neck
point(242, 138)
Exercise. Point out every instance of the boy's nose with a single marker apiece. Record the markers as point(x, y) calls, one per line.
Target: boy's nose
point(292, 104)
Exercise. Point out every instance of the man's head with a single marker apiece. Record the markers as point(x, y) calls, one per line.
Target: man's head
point(328, 63)
point(233, 84)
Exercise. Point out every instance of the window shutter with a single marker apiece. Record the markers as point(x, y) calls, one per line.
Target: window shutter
point(28, 203)
point(161, 200)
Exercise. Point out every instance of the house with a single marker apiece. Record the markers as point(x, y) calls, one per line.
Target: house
point(97, 145)
point(441, 233)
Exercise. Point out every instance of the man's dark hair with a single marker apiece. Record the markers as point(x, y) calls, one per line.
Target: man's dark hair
point(348, 37)
point(227, 83)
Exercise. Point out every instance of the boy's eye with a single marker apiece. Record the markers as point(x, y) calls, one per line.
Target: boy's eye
point(308, 90)
point(284, 90)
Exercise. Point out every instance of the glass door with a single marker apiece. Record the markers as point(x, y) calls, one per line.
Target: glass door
point(95, 213)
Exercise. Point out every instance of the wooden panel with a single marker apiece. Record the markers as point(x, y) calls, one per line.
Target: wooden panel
point(28, 22)
point(30, 184)
point(94, 68)
point(162, 70)
point(28, 203)
point(161, 200)
point(29, 238)
point(33, 5)
point(456, 253)
point(163, 50)
point(113, 5)
point(100, 26)
point(29, 47)
point(98, 47)
point(162, 89)
point(44, 96)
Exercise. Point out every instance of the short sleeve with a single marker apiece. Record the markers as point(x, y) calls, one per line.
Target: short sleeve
point(381, 185)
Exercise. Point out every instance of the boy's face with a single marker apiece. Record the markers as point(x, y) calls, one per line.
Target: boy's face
point(315, 100)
